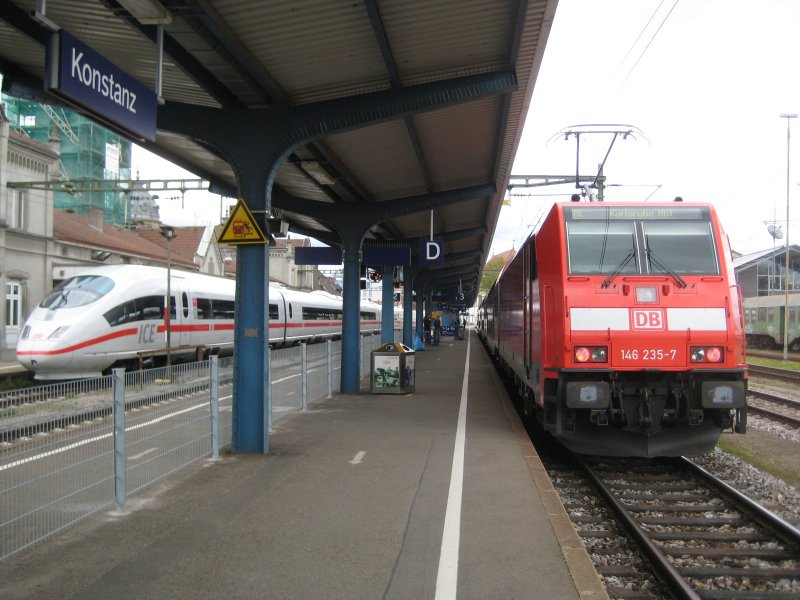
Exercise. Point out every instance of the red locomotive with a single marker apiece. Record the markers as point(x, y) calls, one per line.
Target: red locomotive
point(622, 327)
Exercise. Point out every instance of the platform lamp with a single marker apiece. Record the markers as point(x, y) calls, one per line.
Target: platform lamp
point(788, 117)
point(168, 232)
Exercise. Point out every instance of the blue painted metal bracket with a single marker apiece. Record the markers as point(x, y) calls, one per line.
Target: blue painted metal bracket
point(255, 143)
point(365, 215)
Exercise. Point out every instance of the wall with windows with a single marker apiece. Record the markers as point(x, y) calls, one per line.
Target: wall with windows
point(26, 229)
point(283, 269)
point(767, 275)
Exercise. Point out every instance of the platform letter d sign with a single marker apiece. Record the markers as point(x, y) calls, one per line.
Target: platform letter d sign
point(430, 253)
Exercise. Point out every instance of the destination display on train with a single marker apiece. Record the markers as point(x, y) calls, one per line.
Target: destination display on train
point(635, 213)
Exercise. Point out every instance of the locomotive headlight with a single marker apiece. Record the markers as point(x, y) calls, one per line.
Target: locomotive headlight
point(582, 354)
point(698, 354)
point(707, 354)
point(646, 294)
point(58, 332)
point(595, 354)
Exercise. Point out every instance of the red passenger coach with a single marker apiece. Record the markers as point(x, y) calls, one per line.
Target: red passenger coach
point(622, 327)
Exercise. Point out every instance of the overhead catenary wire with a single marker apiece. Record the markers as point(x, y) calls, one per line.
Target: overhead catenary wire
point(647, 46)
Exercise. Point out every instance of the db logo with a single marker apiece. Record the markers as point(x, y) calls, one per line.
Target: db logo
point(651, 318)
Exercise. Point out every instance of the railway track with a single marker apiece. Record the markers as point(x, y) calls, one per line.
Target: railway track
point(774, 373)
point(772, 354)
point(686, 533)
point(778, 408)
point(767, 402)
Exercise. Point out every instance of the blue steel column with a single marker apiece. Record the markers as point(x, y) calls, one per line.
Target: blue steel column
point(387, 300)
point(251, 390)
point(422, 300)
point(252, 399)
point(408, 299)
point(351, 314)
point(255, 142)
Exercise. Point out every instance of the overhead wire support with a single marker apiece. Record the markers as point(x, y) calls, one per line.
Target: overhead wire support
point(531, 181)
point(115, 185)
point(544, 180)
point(613, 129)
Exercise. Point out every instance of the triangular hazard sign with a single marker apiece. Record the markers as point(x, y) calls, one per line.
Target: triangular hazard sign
point(241, 227)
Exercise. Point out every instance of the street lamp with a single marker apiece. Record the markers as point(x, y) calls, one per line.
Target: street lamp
point(788, 117)
point(168, 232)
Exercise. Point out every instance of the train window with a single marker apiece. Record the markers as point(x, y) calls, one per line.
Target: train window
point(273, 311)
point(313, 313)
point(681, 247)
point(152, 307)
point(203, 308)
point(222, 309)
point(140, 309)
point(208, 308)
point(78, 291)
point(185, 303)
point(368, 316)
point(601, 247)
point(116, 316)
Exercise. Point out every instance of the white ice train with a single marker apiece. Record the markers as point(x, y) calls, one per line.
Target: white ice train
point(114, 315)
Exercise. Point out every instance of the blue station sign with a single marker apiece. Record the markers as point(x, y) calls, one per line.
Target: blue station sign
point(431, 253)
point(84, 78)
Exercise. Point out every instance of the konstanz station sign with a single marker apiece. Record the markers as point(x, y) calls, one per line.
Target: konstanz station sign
point(88, 80)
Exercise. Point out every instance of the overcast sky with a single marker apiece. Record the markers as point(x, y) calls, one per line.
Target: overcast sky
point(705, 81)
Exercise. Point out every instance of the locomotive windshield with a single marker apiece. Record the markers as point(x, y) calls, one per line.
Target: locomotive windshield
point(684, 247)
point(601, 248)
point(78, 291)
point(614, 241)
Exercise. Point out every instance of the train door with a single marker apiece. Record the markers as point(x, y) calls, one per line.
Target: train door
point(185, 318)
point(527, 277)
point(178, 334)
point(278, 317)
point(549, 327)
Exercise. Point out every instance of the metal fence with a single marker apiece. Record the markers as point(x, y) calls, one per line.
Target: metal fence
point(69, 450)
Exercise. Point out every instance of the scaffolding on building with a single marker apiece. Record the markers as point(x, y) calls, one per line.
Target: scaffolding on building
point(88, 152)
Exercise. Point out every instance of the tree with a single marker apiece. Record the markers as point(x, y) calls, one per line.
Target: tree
point(492, 270)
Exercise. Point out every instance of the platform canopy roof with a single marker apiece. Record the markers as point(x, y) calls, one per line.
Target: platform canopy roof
point(256, 54)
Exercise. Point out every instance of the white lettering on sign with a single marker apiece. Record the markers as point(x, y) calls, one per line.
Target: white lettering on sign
point(104, 85)
point(658, 354)
point(432, 250)
point(650, 318)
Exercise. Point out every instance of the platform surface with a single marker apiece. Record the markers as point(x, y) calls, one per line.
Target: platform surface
point(357, 498)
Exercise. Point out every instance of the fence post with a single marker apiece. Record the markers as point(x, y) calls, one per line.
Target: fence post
point(329, 348)
point(118, 387)
point(214, 392)
point(304, 374)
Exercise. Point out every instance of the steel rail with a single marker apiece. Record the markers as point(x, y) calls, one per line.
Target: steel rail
point(772, 522)
point(662, 567)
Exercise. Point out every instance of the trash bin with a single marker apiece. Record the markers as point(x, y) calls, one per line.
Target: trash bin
point(392, 369)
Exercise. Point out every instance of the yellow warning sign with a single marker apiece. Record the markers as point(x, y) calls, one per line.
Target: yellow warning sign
point(241, 227)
